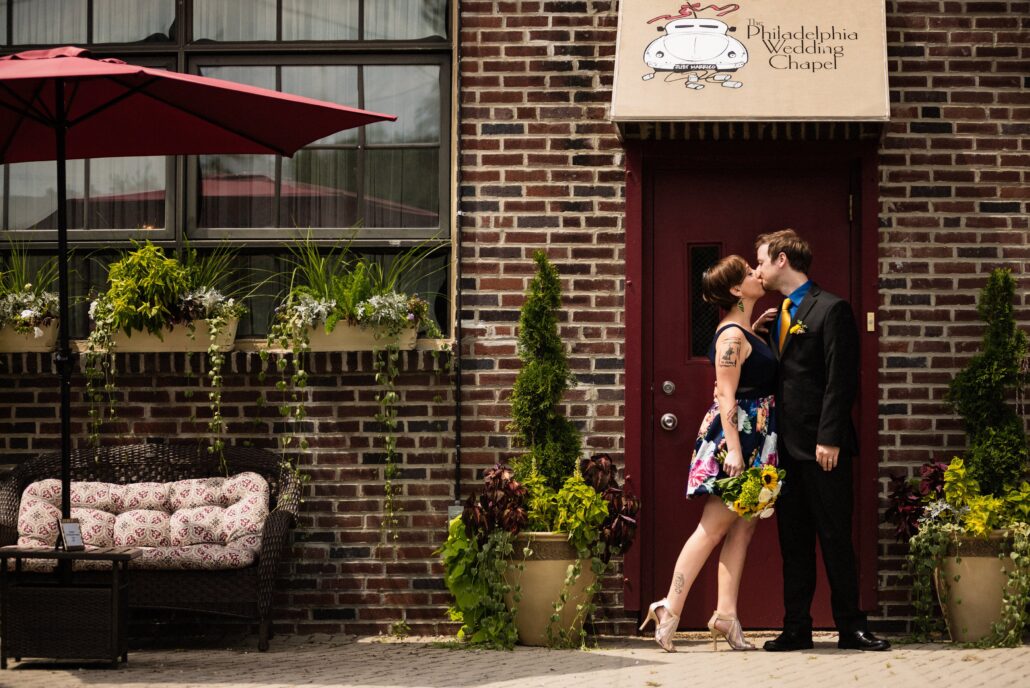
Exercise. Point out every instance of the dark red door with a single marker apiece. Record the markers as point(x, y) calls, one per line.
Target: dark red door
point(700, 209)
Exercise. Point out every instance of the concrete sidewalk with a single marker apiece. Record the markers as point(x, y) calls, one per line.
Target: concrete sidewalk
point(618, 662)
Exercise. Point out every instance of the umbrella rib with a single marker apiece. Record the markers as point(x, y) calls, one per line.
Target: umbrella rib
point(128, 93)
point(213, 121)
point(25, 111)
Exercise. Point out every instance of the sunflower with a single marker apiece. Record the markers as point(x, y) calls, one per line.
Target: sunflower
point(770, 476)
point(739, 508)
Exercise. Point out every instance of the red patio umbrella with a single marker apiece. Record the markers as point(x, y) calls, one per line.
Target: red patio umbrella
point(61, 104)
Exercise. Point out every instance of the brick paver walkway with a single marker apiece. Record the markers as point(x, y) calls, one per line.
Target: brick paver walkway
point(618, 662)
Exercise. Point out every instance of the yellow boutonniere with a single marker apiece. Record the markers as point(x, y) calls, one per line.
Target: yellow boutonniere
point(798, 328)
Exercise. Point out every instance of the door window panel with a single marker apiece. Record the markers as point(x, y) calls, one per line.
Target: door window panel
point(704, 317)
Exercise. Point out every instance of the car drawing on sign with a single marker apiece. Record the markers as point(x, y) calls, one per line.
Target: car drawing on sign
point(692, 45)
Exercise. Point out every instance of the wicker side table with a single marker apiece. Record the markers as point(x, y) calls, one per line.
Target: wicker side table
point(57, 616)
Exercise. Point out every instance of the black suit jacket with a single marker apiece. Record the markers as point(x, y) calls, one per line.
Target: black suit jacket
point(818, 378)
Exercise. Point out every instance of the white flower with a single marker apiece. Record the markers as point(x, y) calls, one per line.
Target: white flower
point(765, 495)
point(93, 309)
point(37, 332)
point(777, 488)
point(766, 512)
point(28, 313)
point(741, 418)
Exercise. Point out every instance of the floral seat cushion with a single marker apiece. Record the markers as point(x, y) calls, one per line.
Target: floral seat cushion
point(209, 523)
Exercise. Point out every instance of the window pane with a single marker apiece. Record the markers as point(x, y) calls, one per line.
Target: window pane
point(236, 191)
point(402, 188)
point(319, 189)
point(401, 20)
point(412, 92)
point(49, 21)
point(34, 195)
point(320, 20)
point(3, 22)
point(127, 21)
point(127, 193)
point(704, 317)
point(234, 20)
point(336, 84)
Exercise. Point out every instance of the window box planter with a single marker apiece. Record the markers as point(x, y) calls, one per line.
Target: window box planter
point(176, 338)
point(348, 337)
point(12, 341)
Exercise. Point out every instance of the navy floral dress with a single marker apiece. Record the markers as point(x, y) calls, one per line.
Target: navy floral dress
point(756, 420)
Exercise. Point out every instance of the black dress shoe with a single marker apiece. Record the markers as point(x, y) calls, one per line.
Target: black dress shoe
point(862, 640)
point(789, 641)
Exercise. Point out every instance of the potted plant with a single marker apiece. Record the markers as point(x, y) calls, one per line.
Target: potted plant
point(968, 522)
point(526, 556)
point(28, 306)
point(156, 302)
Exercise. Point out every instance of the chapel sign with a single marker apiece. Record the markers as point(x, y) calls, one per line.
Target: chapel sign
point(752, 60)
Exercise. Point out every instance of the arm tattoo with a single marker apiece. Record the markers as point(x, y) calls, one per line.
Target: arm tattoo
point(730, 416)
point(730, 353)
point(677, 583)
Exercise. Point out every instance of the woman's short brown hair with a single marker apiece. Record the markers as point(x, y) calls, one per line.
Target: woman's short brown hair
point(790, 244)
point(717, 281)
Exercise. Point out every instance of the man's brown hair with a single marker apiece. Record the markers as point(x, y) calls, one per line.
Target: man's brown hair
point(717, 281)
point(789, 243)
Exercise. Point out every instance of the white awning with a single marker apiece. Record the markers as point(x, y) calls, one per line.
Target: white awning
point(774, 60)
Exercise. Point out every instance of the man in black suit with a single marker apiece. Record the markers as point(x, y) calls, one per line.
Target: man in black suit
point(814, 338)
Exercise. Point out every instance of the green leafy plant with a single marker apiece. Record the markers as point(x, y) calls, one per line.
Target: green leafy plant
point(553, 443)
point(149, 291)
point(332, 285)
point(27, 298)
point(986, 493)
point(580, 499)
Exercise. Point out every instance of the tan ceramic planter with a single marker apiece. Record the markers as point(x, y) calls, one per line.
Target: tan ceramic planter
point(348, 337)
point(177, 338)
point(974, 600)
point(12, 341)
point(541, 582)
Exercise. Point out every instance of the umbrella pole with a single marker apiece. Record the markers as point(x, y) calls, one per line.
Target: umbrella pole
point(64, 354)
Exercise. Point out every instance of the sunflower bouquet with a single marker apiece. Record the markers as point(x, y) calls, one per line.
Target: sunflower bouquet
point(753, 492)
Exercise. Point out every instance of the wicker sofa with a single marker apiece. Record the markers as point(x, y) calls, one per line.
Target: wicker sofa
point(241, 592)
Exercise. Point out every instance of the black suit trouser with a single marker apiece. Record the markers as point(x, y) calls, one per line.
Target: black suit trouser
point(817, 503)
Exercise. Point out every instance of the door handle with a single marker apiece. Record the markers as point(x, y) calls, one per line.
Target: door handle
point(669, 421)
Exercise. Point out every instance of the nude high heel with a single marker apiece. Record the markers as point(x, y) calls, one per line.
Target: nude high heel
point(734, 635)
point(664, 628)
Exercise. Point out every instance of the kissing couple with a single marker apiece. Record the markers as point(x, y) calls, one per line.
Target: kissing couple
point(784, 388)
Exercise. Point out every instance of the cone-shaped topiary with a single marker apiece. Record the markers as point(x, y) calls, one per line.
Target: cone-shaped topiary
point(554, 443)
point(981, 393)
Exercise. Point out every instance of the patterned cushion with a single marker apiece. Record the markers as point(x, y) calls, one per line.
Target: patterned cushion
point(142, 528)
point(212, 523)
point(147, 496)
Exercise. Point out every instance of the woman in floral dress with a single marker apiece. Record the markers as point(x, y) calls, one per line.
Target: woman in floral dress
point(739, 431)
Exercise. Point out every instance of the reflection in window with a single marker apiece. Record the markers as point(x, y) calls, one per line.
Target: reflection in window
point(319, 189)
point(234, 20)
point(402, 188)
point(320, 20)
point(237, 191)
point(49, 21)
point(412, 92)
point(402, 20)
point(33, 194)
point(704, 317)
point(128, 21)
